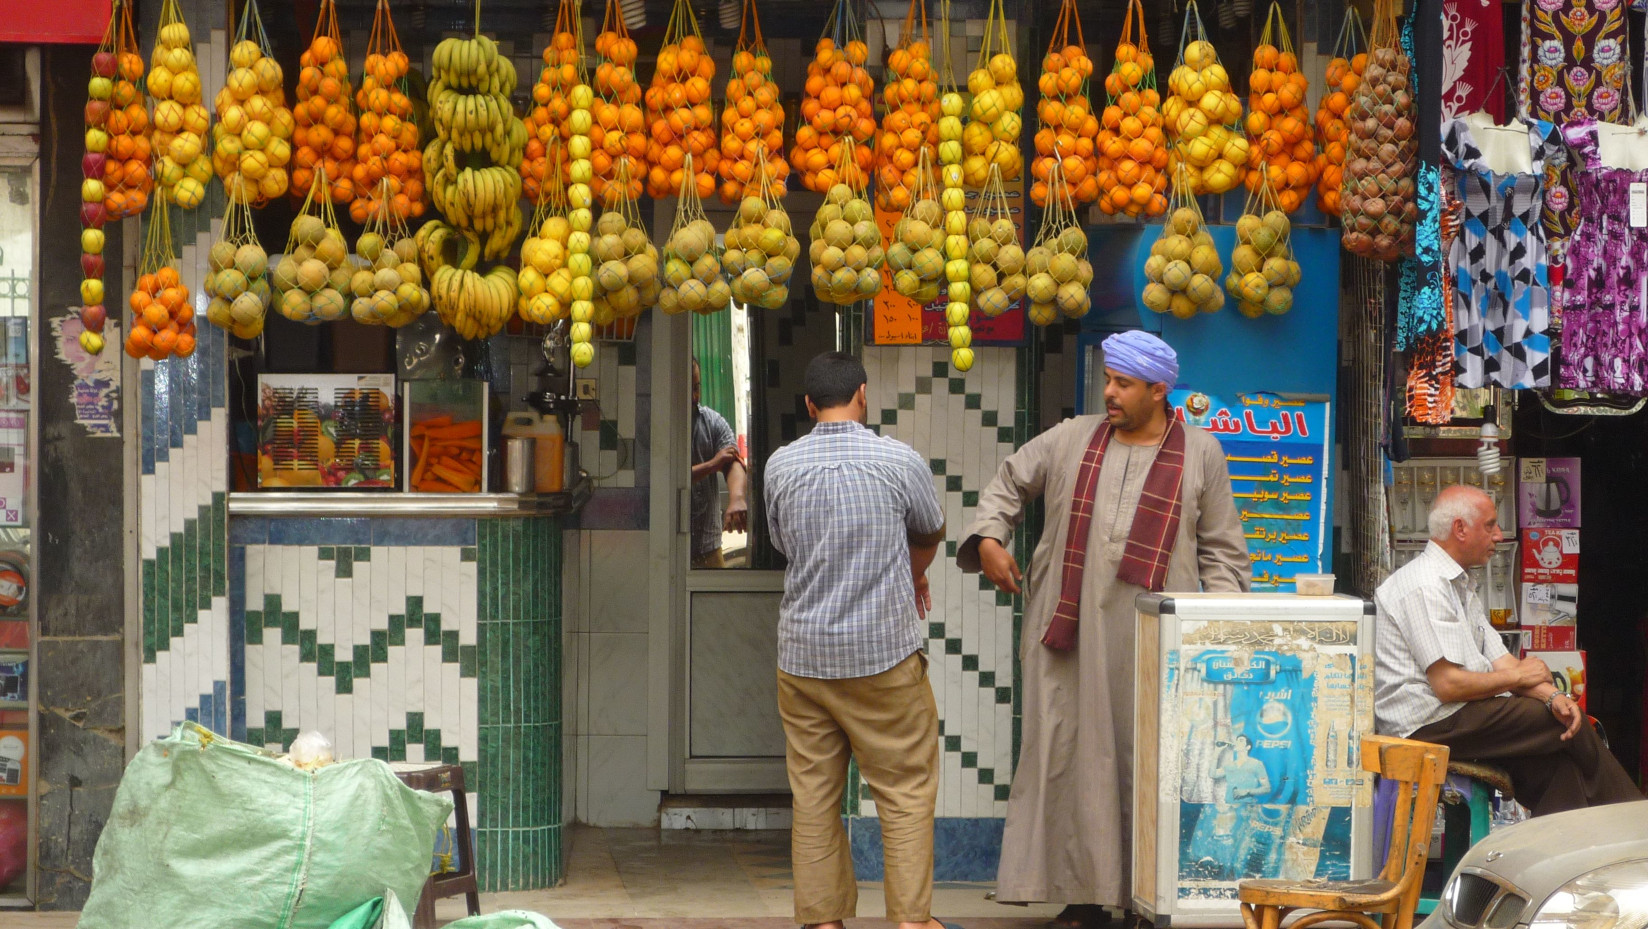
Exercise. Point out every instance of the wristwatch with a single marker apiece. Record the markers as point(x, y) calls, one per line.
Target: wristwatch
point(1552, 699)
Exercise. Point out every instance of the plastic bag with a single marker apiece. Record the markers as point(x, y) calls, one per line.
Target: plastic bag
point(210, 832)
point(396, 917)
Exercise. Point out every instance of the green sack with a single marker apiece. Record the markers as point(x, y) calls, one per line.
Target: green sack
point(209, 832)
point(394, 917)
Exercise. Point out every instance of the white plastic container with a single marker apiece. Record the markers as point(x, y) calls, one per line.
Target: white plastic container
point(1313, 585)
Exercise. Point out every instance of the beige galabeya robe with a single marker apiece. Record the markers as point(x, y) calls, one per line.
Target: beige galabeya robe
point(1068, 835)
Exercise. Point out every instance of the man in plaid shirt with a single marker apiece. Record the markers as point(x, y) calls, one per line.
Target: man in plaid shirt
point(859, 521)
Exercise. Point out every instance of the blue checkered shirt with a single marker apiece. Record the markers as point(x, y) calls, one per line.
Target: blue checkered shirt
point(842, 504)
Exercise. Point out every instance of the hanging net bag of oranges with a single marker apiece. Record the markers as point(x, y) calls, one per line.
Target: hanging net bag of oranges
point(325, 134)
point(1378, 209)
point(117, 127)
point(620, 132)
point(252, 139)
point(915, 259)
point(237, 276)
point(1057, 267)
point(1344, 74)
point(549, 118)
point(752, 122)
point(627, 278)
point(995, 251)
point(694, 281)
point(1262, 270)
point(761, 246)
point(1278, 121)
point(680, 115)
point(388, 169)
point(1184, 267)
point(1069, 131)
point(995, 118)
point(180, 120)
point(544, 284)
point(1203, 115)
point(1132, 141)
point(909, 130)
point(387, 283)
point(163, 318)
point(948, 241)
point(838, 104)
point(846, 250)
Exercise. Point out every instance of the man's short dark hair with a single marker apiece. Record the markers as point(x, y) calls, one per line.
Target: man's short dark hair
point(833, 378)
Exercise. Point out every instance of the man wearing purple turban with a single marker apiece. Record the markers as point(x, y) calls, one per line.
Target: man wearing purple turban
point(1149, 511)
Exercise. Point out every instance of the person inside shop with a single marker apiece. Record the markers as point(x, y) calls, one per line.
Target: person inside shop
point(1135, 501)
point(1442, 674)
point(858, 518)
point(714, 452)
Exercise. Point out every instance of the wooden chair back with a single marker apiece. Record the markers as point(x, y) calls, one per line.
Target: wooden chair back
point(1419, 769)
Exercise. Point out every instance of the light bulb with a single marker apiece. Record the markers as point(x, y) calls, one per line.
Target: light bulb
point(1487, 452)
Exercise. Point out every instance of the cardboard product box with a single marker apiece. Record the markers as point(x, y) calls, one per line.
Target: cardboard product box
point(1547, 493)
point(1550, 556)
point(1567, 671)
point(1551, 638)
point(1550, 604)
point(14, 762)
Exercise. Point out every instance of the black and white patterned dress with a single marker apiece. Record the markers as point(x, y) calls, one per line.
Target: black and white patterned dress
point(1498, 262)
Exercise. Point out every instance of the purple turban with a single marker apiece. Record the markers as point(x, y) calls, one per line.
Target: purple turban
point(1140, 355)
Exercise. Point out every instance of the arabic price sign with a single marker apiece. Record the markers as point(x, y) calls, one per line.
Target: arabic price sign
point(899, 320)
point(1277, 450)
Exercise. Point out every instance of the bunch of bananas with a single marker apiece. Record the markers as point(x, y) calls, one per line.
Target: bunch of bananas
point(469, 101)
point(475, 305)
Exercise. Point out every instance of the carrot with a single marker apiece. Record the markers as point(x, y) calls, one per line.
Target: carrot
point(457, 443)
point(434, 422)
point(423, 460)
point(438, 487)
point(464, 430)
point(459, 479)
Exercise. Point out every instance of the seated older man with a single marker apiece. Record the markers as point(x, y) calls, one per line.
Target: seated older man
point(1442, 674)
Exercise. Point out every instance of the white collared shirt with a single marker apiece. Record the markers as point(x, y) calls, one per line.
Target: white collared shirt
point(1428, 611)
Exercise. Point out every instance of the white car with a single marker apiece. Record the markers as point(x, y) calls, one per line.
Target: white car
point(1585, 869)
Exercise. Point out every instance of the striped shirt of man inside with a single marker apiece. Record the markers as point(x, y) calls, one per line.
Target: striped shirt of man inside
point(858, 518)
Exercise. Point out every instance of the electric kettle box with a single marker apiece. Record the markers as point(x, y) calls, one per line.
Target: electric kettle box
point(1567, 671)
point(1550, 556)
point(1547, 493)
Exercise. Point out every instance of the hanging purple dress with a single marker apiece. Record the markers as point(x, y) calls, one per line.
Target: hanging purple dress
point(1604, 301)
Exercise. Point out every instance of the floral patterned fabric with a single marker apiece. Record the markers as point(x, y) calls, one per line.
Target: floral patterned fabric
point(1574, 64)
point(1603, 297)
point(1498, 263)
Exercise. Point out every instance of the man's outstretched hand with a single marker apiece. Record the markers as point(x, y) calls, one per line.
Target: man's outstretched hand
point(998, 565)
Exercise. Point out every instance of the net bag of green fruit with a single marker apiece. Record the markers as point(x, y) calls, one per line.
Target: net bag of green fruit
point(1057, 265)
point(846, 249)
point(694, 281)
point(237, 277)
point(1378, 202)
point(915, 258)
point(1262, 270)
point(545, 282)
point(1184, 267)
point(387, 283)
point(627, 279)
point(995, 255)
point(761, 247)
point(315, 272)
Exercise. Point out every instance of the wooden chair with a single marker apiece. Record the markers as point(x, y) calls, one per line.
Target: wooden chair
point(1419, 768)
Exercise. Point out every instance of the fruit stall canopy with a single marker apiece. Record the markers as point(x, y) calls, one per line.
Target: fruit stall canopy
point(61, 21)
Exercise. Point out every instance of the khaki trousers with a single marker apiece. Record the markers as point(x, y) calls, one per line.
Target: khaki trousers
point(889, 723)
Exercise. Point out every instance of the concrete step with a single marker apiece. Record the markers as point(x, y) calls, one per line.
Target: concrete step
point(724, 811)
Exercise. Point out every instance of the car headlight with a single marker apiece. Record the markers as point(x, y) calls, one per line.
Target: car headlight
point(1614, 897)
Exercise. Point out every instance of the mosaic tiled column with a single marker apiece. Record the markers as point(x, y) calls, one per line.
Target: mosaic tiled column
point(518, 839)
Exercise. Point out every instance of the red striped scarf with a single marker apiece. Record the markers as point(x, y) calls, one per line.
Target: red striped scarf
point(1155, 521)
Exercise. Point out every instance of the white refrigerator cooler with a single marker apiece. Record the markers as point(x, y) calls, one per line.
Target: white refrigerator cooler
point(1249, 711)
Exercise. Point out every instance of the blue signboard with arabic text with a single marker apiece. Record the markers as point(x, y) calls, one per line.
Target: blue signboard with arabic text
point(1278, 452)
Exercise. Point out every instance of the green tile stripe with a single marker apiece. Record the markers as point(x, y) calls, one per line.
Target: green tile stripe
point(414, 733)
point(519, 835)
point(358, 662)
point(183, 577)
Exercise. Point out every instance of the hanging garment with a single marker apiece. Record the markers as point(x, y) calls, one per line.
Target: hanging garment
point(1498, 262)
point(1604, 308)
point(1574, 64)
point(1473, 51)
